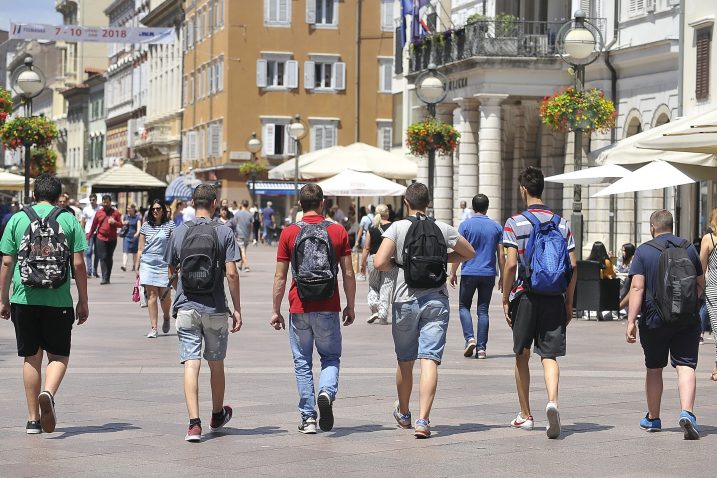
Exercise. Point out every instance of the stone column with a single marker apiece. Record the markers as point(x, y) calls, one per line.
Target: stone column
point(489, 152)
point(443, 176)
point(466, 121)
point(456, 176)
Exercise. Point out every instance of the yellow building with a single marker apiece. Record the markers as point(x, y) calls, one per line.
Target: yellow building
point(250, 66)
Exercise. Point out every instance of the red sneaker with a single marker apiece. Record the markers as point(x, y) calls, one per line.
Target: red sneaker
point(218, 423)
point(194, 434)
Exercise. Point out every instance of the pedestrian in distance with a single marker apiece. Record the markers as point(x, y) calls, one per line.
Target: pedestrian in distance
point(132, 223)
point(91, 256)
point(708, 260)
point(478, 274)
point(106, 223)
point(419, 246)
point(267, 223)
point(466, 212)
point(243, 221)
point(599, 254)
point(380, 284)
point(667, 280)
point(314, 249)
point(200, 253)
point(151, 265)
point(41, 303)
point(538, 305)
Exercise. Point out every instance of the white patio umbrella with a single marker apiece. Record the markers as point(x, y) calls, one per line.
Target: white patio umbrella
point(285, 170)
point(362, 157)
point(12, 182)
point(359, 183)
point(594, 175)
point(691, 140)
point(658, 175)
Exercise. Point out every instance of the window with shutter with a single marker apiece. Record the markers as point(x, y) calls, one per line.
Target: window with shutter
point(221, 74)
point(339, 82)
point(636, 7)
point(387, 15)
point(269, 137)
point(385, 136)
point(317, 138)
point(311, 12)
point(385, 78)
point(702, 74)
point(290, 143)
point(309, 80)
point(261, 73)
point(292, 74)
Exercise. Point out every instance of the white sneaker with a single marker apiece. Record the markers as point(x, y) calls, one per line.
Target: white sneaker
point(523, 423)
point(553, 420)
point(152, 334)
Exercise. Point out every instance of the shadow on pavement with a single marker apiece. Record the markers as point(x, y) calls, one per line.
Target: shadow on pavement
point(704, 430)
point(449, 430)
point(579, 427)
point(346, 431)
point(243, 432)
point(106, 428)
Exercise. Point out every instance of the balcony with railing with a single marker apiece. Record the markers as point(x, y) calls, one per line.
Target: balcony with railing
point(499, 37)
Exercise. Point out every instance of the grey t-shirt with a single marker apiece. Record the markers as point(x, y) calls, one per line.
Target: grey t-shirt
point(243, 221)
point(216, 302)
point(397, 234)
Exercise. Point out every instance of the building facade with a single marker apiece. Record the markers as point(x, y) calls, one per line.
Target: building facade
point(253, 67)
point(160, 146)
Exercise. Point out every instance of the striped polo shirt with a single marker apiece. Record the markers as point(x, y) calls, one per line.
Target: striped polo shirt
point(517, 231)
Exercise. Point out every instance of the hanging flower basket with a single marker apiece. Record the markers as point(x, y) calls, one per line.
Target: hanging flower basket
point(250, 167)
point(432, 134)
point(572, 110)
point(33, 131)
point(5, 105)
point(42, 160)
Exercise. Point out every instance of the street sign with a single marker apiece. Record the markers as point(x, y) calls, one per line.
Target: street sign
point(81, 33)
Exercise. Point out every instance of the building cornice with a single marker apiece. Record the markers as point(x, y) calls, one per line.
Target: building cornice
point(165, 12)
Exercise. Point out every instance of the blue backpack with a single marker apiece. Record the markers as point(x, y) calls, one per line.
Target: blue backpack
point(546, 261)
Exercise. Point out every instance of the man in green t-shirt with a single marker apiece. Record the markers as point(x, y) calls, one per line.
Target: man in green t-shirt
point(43, 318)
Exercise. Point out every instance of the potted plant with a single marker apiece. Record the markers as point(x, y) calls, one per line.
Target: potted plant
point(432, 134)
point(28, 131)
point(5, 105)
point(252, 167)
point(42, 160)
point(571, 110)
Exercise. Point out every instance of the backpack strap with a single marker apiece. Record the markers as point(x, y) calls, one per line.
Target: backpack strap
point(55, 213)
point(656, 245)
point(31, 213)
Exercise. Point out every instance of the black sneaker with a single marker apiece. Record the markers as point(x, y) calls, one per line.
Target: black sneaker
point(33, 427)
point(308, 426)
point(48, 419)
point(326, 413)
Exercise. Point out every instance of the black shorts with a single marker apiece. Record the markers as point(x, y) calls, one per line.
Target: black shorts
point(539, 319)
point(39, 326)
point(680, 342)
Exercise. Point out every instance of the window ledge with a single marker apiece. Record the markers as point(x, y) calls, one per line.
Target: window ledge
point(324, 90)
point(277, 25)
point(276, 88)
point(704, 22)
point(325, 26)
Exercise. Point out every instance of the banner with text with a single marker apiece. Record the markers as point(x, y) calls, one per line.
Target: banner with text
point(81, 33)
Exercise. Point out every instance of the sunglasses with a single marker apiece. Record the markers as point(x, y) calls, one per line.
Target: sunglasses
point(156, 209)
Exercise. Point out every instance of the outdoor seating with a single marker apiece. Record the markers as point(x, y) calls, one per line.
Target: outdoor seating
point(593, 293)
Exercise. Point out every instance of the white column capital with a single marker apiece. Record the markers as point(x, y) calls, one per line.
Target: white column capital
point(490, 99)
point(468, 103)
point(445, 109)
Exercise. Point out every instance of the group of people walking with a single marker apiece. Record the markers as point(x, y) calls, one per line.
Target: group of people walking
point(410, 262)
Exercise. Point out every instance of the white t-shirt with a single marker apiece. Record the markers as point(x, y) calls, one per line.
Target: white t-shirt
point(88, 214)
point(397, 233)
point(188, 213)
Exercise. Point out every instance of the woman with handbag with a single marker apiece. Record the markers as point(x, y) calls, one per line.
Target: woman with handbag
point(154, 237)
point(131, 222)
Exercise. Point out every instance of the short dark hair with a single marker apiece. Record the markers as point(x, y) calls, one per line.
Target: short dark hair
point(244, 203)
point(532, 179)
point(93, 196)
point(310, 197)
point(47, 188)
point(106, 197)
point(480, 203)
point(204, 196)
point(662, 220)
point(417, 196)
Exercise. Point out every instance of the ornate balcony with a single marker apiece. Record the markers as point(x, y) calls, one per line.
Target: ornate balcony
point(489, 38)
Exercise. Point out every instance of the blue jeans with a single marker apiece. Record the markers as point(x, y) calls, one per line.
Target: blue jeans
point(324, 330)
point(469, 285)
point(419, 328)
point(88, 256)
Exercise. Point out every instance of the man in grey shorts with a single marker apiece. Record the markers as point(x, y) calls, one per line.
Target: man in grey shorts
point(204, 317)
point(243, 221)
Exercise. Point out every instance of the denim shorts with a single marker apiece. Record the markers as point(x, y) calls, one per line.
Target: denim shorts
point(419, 328)
point(193, 327)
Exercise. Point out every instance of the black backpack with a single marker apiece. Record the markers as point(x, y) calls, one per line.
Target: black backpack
point(676, 298)
point(44, 253)
point(200, 264)
point(425, 254)
point(313, 262)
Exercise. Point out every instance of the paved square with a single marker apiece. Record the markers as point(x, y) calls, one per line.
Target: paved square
point(121, 408)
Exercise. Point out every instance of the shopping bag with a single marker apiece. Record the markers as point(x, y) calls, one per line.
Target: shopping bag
point(135, 291)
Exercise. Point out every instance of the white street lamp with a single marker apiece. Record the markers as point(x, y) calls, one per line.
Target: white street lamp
point(297, 130)
point(254, 146)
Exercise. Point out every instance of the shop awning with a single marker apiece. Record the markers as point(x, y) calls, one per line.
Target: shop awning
point(125, 178)
point(12, 182)
point(273, 188)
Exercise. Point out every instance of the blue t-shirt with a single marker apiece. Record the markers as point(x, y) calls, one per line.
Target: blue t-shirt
point(484, 234)
point(645, 263)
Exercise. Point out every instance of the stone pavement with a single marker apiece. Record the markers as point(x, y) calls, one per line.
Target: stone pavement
point(121, 410)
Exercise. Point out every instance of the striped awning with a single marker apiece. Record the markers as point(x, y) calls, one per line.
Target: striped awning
point(179, 188)
point(273, 188)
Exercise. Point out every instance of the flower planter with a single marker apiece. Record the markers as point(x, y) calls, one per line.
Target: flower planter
point(572, 110)
point(5, 105)
point(432, 134)
point(33, 131)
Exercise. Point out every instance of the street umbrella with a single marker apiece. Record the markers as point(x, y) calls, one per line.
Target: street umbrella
point(359, 183)
point(12, 182)
point(658, 175)
point(594, 175)
point(179, 188)
point(691, 140)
